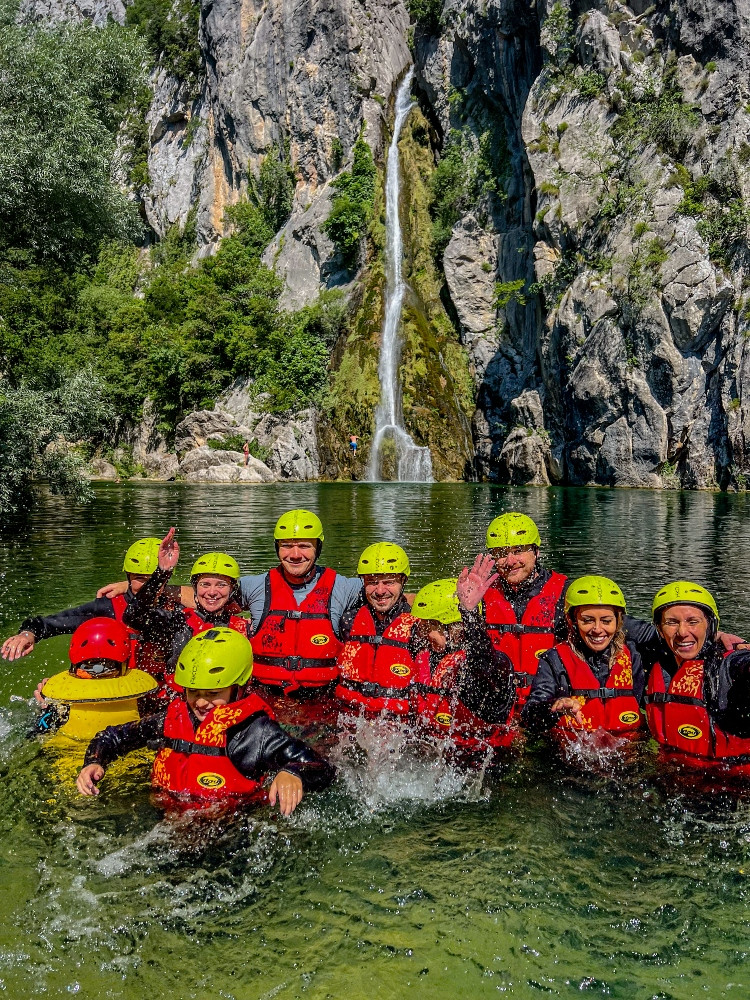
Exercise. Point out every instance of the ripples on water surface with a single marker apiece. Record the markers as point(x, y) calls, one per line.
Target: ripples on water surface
point(410, 876)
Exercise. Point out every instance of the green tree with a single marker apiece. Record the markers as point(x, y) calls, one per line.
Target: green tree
point(63, 92)
point(351, 211)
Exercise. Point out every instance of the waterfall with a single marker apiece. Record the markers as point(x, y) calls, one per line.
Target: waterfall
point(392, 443)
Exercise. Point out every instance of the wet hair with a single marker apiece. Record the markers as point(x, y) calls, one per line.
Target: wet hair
point(617, 643)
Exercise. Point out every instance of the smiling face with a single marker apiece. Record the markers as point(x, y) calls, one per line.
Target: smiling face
point(136, 581)
point(515, 564)
point(684, 628)
point(382, 590)
point(597, 625)
point(297, 557)
point(202, 701)
point(212, 591)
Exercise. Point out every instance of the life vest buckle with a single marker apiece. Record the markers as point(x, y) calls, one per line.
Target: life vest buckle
point(296, 615)
point(293, 663)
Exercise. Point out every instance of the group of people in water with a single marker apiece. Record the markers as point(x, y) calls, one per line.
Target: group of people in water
point(506, 648)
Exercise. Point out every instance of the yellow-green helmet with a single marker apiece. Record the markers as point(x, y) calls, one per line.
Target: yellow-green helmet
point(142, 556)
point(512, 529)
point(298, 524)
point(216, 562)
point(214, 659)
point(597, 590)
point(684, 592)
point(383, 557)
point(438, 602)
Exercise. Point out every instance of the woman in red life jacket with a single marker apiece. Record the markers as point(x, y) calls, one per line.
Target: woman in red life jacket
point(698, 694)
point(218, 741)
point(141, 559)
point(213, 578)
point(524, 610)
point(376, 661)
point(464, 687)
point(595, 680)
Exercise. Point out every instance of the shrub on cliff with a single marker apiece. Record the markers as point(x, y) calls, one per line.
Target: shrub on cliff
point(351, 211)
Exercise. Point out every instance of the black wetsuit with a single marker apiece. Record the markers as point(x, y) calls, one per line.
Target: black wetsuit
point(168, 628)
point(66, 622)
point(255, 746)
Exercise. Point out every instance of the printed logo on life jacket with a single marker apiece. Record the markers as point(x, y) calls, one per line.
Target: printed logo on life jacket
point(628, 718)
point(209, 779)
point(400, 670)
point(539, 652)
point(690, 732)
point(320, 640)
point(443, 718)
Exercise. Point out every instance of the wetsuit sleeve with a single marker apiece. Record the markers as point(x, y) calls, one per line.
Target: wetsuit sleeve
point(485, 684)
point(117, 741)
point(560, 628)
point(732, 710)
point(155, 624)
point(550, 683)
point(260, 746)
point(66, 622)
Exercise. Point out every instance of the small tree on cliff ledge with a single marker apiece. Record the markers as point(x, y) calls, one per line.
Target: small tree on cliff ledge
point(352, 206)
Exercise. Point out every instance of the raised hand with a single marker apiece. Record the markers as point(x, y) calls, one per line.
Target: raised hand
point(169, 551)
point(474, 583)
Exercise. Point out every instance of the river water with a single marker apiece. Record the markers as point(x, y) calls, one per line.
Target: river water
point(409, 877)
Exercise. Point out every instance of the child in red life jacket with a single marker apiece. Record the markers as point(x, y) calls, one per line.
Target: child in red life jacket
point(595, 680)
point(464, 687)
point(217, 742)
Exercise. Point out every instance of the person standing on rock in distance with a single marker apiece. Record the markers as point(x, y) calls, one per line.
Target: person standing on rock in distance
point(524, 610)
point(246, 451)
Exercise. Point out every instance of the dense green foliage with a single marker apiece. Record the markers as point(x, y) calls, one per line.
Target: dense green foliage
point(171, 33)
point(35, 426)
point(63, 92)
point(351, 211)
point(428, 14)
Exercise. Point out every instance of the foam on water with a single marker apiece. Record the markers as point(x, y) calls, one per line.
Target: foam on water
point(386, 762)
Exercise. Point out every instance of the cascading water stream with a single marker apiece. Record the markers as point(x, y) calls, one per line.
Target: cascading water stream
point(412, 463)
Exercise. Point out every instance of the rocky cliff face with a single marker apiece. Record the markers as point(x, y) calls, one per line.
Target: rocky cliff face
point(594, 266)
point(622, 357)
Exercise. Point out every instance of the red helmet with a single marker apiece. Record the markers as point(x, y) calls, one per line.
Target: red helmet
point(100, 639)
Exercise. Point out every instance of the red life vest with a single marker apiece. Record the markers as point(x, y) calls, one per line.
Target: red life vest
point(295, 645)
point(678, 717)
point(613, 707)
point(444, 714)
point(377, 670)
point(524, 641)
point(194, 764)
point(196, 624)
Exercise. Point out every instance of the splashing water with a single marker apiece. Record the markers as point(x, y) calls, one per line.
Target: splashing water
point(387, 762)
point(392, 445)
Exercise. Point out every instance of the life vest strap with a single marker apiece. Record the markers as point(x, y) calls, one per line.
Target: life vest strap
point(603, 693)
point(429, 689)
point(521, 679)
point(664, 697)
point(372, 690)
point(517, 629)
point(378, 640)
point(298, 615)
point(189, 746)
point(293, 662)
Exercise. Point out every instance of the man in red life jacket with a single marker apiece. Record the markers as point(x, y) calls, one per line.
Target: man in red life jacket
point(697, 694)
point(219, 741)
point(296, 608)
point(213, 580)
point(376, 661)
point(594, 680)
point(464, 687)
point(141, 559)
point(524, 611)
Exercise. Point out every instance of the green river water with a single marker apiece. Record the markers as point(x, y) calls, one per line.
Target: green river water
point(408, 877)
